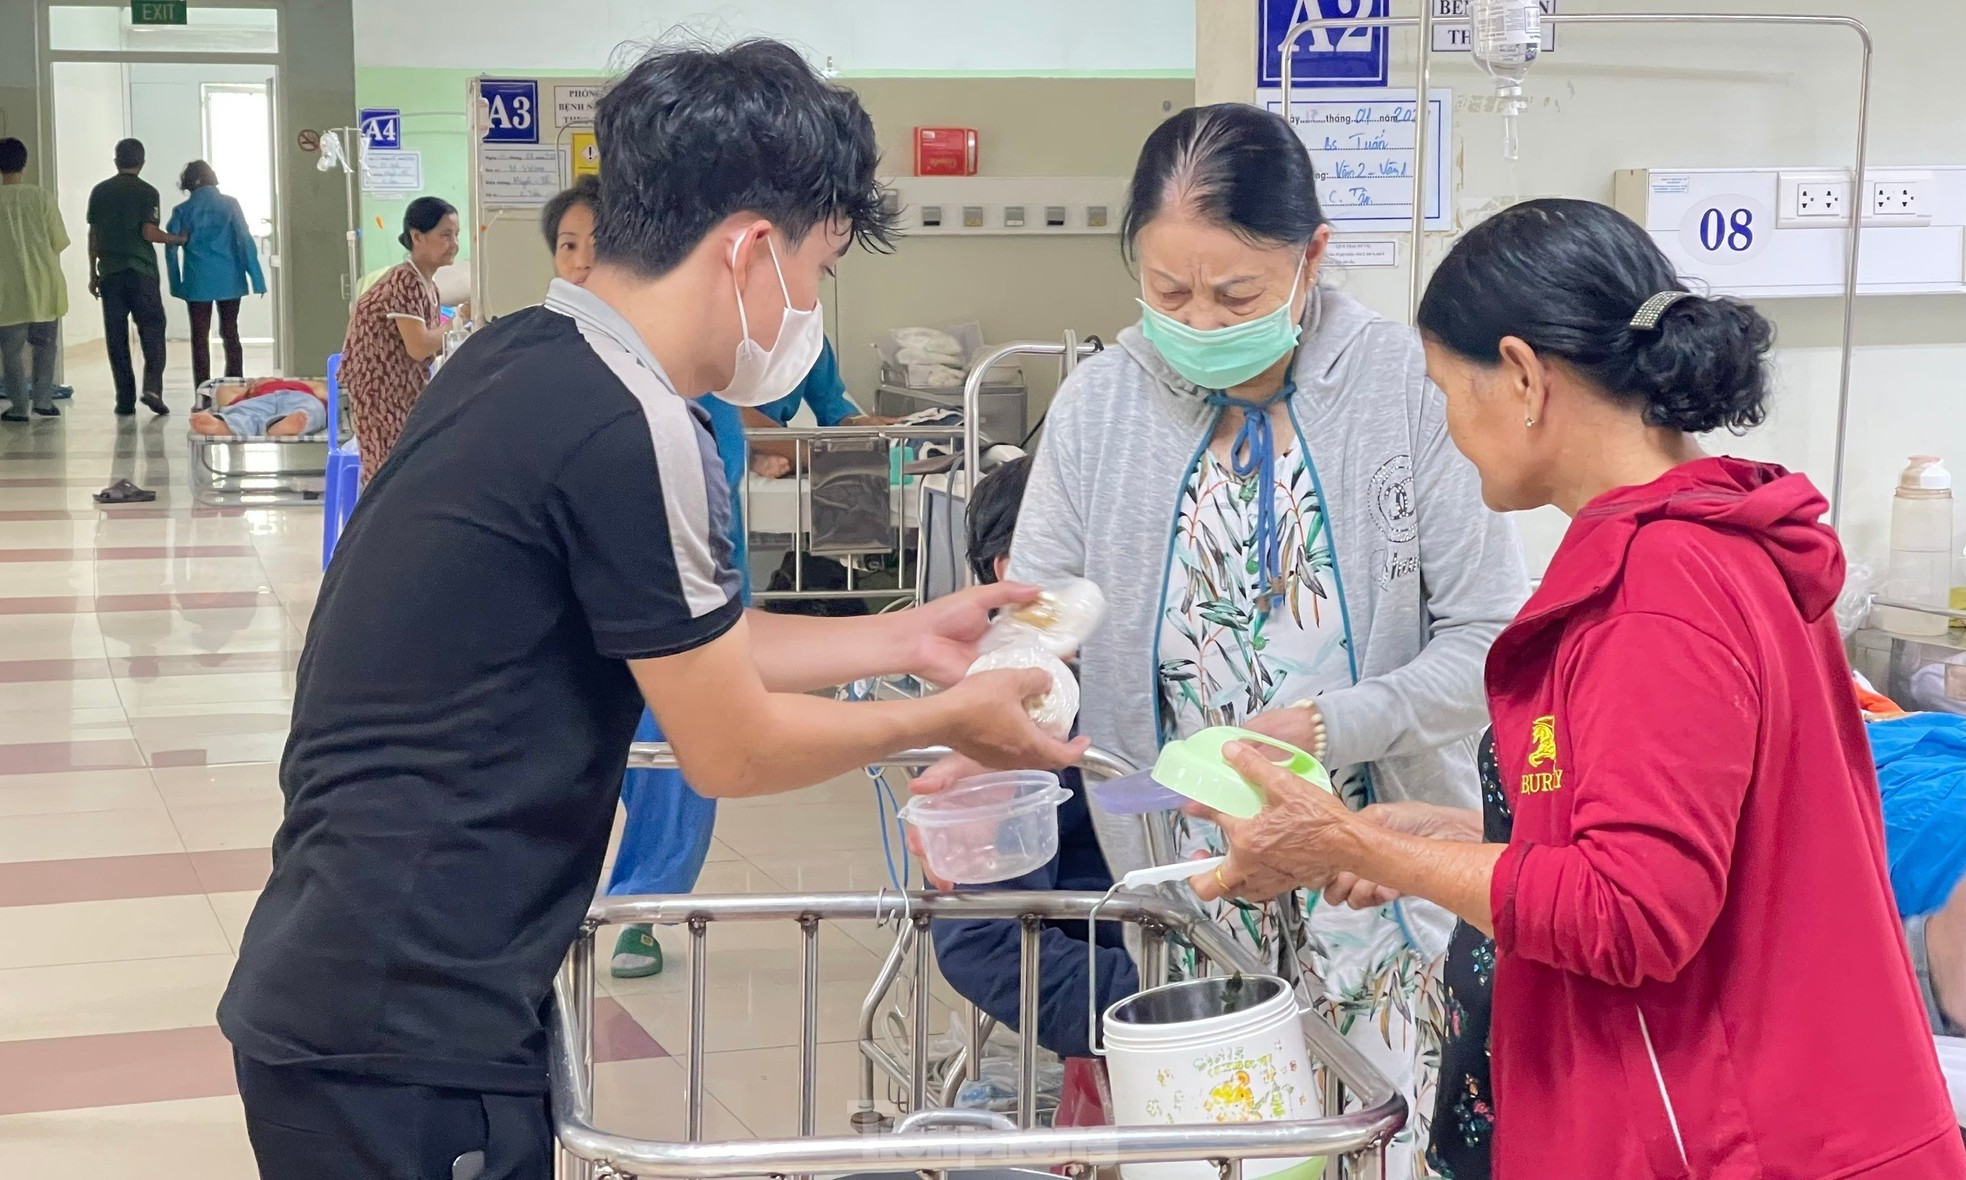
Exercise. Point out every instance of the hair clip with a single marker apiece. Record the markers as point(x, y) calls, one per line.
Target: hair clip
point(1646, 318)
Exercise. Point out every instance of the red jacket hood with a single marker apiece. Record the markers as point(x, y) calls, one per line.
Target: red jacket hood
point(1780, 511)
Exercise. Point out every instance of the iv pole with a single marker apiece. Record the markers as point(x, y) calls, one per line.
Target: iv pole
point(1424, 22)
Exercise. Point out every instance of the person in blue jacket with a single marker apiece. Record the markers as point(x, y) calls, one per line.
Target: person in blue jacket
point(218, 262)
point(980, 959)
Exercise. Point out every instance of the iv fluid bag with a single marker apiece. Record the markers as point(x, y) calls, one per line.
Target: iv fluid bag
point(1506, 37)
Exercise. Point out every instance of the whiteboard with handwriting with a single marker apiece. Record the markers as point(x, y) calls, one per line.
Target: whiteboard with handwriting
point(1362, 145)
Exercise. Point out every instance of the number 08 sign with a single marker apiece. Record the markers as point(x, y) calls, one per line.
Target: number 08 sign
point(1726, 230)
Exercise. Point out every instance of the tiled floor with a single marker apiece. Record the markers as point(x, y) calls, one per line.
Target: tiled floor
point(147, 662)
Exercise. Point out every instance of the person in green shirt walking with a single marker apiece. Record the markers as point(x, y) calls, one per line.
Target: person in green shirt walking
point(123, 241)
point(33, 297)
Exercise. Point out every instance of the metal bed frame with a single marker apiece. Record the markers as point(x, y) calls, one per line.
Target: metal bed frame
point(258, 469)
point(910, 584)
point(930, 1141)
point(909, 569)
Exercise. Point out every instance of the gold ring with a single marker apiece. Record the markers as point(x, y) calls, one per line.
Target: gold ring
point(1219, 881)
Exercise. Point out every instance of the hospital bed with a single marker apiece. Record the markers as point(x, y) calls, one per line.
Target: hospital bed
point(849, 497)
point(257, 470)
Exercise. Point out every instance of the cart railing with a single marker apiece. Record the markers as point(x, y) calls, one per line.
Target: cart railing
point(918, 1145)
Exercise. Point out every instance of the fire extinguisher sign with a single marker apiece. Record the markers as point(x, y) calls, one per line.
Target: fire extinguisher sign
point(1337, 55)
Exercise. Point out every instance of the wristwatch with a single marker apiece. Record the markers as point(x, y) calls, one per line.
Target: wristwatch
point(1320, 744)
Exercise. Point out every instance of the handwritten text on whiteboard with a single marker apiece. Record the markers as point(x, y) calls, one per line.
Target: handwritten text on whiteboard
point(1362, 146)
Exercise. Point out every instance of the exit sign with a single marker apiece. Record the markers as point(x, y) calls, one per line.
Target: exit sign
point(159, 12)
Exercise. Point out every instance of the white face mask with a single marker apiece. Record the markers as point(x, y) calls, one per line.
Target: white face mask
point(763, 375)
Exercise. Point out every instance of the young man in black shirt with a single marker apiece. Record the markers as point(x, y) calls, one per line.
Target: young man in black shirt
point(544, 550)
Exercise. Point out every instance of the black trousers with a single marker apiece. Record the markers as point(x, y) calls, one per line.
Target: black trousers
point(310, 1124)
point(200, 312)
point(131, 295)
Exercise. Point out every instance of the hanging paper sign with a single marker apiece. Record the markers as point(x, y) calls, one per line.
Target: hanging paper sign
point(574, 105)
point(1453, 33)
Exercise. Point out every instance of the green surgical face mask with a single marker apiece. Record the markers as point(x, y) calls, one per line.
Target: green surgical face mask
point(1221, 358)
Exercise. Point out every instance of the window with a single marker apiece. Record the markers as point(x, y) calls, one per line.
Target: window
point(238, 145)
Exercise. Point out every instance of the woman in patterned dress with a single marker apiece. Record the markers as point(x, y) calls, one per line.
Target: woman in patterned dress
point(1258, 476)
point(395, 330)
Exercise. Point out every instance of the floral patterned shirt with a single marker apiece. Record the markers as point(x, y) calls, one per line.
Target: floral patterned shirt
point(1464, 1112)
point(1231, 648)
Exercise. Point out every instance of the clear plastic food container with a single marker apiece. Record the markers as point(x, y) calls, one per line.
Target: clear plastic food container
point(988, 828)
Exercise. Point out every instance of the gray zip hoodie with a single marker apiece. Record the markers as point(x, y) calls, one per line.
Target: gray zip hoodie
point(1427, 575)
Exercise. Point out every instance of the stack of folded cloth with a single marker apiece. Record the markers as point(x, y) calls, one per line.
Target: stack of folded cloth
point(932, 358)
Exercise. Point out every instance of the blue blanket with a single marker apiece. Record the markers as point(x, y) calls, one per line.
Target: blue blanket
point(1921, 770)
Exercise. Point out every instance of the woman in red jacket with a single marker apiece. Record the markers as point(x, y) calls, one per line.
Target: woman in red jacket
point(1699, 971)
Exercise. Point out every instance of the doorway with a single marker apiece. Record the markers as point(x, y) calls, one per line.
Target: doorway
point(208, 90)
point(238, 119)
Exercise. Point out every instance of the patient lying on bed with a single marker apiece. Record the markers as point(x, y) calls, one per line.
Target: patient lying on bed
point(280, 407)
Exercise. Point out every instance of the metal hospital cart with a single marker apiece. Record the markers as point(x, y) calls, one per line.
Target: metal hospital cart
point(928, 1140)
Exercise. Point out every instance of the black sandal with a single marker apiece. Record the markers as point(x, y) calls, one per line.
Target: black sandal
point(124, 492)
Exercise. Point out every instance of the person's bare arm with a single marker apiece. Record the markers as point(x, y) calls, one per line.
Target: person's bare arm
point(1415, 818)
point(158, 237)
point(1305, 836)
point(790, 740)
point(937, 642)
point(95, 275)
point(420, 340)
point(754, 420)
point(1453, 874)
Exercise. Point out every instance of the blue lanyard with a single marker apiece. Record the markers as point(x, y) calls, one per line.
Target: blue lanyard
point(1255, 453)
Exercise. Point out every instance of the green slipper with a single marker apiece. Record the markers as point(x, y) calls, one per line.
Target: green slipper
point(636, 954)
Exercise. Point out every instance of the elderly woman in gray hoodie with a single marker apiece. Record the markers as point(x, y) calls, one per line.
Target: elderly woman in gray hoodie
point(1260, 478)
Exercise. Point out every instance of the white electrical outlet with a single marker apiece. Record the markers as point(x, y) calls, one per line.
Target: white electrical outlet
point(1814, 200)
point(1899, 197)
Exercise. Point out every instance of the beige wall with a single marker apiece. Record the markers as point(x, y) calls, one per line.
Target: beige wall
point(1684, 96)
point(1017, 288)
point(317, 91)
point(1225, 50)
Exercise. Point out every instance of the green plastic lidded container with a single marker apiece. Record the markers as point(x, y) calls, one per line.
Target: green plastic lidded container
point(1196, 768)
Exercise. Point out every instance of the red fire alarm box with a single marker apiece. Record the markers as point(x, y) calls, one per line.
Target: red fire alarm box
point(945, 151)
